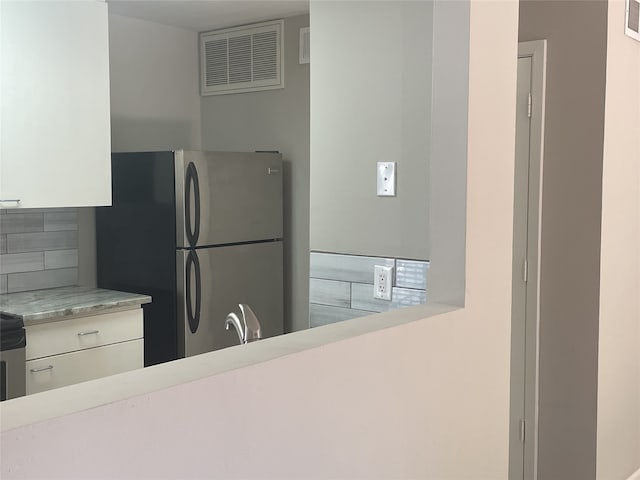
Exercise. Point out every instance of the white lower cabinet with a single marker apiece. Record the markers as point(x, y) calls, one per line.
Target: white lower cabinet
point(69, 368)
point(65, 352)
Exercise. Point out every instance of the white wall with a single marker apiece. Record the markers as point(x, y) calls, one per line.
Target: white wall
point(619, 333)
point(275, 120)
point(371, 78)
point(428, 399)
point(155, 102)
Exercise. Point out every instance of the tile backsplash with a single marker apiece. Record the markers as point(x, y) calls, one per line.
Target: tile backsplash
point(38, 249)
point(341, 286)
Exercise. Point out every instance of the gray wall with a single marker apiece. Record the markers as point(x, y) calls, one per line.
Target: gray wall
point(275, 120)
point(448, 163)
point(371, 75)
point(571, 210)
point(155, 103)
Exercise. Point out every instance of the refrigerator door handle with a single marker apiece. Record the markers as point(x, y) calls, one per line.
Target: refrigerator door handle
point(193, 317)
point(191, 178)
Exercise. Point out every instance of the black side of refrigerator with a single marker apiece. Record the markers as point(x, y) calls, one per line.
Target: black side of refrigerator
point(136, 244)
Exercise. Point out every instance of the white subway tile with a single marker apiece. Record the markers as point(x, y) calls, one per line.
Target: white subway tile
point(347, 268)
point(41, 241)
point(362, 298)
point(21, 223)
point(411, 274)
point(325, 314)
point(330, 292)
point(21, 282)
point(21, 262)
point(60, 259)
point(59, 221)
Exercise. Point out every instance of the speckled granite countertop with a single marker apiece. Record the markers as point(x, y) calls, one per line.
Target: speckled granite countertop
point(41, 306)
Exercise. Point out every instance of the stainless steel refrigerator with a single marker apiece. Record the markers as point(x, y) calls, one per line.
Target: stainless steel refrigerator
point(201, 232)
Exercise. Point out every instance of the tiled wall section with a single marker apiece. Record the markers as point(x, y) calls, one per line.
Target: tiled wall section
point(341, 286)
point(38, 249)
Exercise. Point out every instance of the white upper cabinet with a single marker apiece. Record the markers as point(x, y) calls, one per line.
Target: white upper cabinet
point(55, 127)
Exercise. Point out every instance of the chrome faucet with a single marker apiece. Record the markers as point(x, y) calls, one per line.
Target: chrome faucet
point(247, 325)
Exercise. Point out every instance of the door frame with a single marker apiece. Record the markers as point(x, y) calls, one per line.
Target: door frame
point(523, 455)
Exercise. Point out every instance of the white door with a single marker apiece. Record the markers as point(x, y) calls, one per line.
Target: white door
point(526, 231)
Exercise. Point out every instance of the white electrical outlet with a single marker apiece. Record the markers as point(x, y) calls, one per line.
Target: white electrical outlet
point(382, 282)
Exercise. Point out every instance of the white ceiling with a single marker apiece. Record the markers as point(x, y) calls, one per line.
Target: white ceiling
point(202, 15)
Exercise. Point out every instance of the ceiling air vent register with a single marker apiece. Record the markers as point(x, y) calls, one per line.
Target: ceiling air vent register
point(242, 59)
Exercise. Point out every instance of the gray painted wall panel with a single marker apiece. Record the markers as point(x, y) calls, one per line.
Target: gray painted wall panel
point(364, 111)
point(154, 73)
point(3, 284)
point(3, 244)
point(448, 164)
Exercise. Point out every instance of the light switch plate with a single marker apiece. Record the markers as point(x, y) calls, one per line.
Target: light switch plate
point(386, 179)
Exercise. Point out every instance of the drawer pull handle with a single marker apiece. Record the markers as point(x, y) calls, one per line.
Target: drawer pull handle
point(41, 369)
point(92, 332)
point(7, 203)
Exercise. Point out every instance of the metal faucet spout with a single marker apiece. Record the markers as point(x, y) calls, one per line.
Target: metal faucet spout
point(232, 319)
point(253, 329)
point(247, 325)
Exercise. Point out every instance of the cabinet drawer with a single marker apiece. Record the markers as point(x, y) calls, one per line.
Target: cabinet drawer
point(87, 332)
point(69, 368)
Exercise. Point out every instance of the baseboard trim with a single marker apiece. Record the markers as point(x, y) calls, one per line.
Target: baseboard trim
point(635, 476)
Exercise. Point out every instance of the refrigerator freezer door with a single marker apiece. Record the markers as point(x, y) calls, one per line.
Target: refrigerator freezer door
point(212, 284)
point(136, 244)
point(224, 198)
